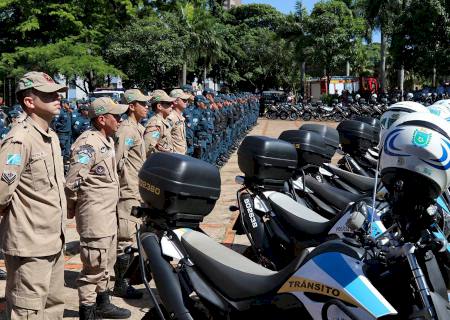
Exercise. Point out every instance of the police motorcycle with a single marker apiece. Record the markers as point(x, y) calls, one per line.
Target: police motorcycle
point(282, 210)
point(341, 111)
point(278, 111)
point(353, 107)
point(366, 110)
point(326, 112)
point(359, 139)
point(377, 108)
point(198, 278)
point(412, 257)
point(296, 111)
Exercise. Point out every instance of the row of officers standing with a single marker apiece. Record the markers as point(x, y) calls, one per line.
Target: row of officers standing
point(207, 126)
point(99, 190)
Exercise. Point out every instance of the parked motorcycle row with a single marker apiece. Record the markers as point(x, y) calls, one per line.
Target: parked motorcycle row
point(338, 110)
point(365, 238)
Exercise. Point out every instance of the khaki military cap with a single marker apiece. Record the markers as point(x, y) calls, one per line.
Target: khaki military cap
point(161, 96)
point(135, 95)
point(39, 81)
point(179, 93)
point(105, 105)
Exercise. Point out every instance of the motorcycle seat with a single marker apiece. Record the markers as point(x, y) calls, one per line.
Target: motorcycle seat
point(297, 216)
point(336, 197)
point(365, 184)
point(231, 273)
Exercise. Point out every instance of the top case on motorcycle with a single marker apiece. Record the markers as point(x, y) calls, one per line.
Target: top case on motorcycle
point(233, 275)
point(298, 216)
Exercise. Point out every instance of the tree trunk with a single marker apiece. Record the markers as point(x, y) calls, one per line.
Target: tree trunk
point(347, 68)
point(401, 80)
point(302, 79)
point(184, 76)
point(383, 63)
point(433, 80)
point(205, 71)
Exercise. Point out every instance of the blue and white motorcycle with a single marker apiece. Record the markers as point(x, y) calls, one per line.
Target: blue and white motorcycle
point(198, 278)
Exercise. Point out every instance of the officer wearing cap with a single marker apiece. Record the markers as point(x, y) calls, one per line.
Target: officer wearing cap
point(81, 121)
point(157, 135)
point(178, 121)
point(62, 124)
point(92, 190)
point(202, 131)
point(130, 156)
point(32, 203)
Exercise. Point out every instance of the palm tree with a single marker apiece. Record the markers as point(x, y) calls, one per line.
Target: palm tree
point(380, 15)
point(204, 41)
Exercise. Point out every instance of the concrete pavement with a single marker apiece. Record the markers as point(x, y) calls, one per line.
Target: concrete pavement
point(218, 225)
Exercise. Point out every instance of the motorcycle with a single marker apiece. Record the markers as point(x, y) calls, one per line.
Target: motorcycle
point(207, 280)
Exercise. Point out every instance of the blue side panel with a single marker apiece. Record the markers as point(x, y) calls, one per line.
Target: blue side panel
point(442, 204)
point(335, 266)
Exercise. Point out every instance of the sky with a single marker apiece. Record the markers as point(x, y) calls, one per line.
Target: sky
point(287, 6)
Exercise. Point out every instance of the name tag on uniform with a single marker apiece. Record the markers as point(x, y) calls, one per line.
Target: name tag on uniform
point(13, 159)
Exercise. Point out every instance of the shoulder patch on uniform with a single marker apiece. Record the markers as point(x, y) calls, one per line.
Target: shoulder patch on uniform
point(86, 149)
point(9, 176)
point(129, 142)
point(14, 159)
point(156, 134)
point(83, 158)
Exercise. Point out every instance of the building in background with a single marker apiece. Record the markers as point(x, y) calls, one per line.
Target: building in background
point(228, 4)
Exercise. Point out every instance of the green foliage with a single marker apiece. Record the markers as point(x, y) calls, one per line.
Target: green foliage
point(249, 47)
point(334, 34)
point(149, 52)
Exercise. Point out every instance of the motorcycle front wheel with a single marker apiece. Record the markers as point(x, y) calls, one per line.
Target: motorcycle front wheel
point(338, 117)
point(293, 116)
point(306, 116)
point(283, 115)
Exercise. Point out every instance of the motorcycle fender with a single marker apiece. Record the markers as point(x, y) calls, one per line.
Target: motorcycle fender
point(335, 275)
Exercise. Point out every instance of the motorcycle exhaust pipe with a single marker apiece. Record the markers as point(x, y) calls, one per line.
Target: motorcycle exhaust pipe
point(166, 280)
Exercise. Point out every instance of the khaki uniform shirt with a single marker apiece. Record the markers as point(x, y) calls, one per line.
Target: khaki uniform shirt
point(178, 132)
point(157, 135)
point(130, 156)
point(92, 185)
point(32, 199)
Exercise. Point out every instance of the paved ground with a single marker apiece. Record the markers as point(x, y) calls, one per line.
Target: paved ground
point(218, 225)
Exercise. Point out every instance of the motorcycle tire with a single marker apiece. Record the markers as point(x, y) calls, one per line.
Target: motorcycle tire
point(283, 115)
point(293, 116)
point(273, 116)
point(338, 117)
point(306, 116)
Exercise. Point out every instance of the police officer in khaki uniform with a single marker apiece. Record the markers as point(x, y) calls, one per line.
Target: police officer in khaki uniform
point(92, 190)
point(157, 135)
point(178, 122)
point(130, 156)
point(32, 203)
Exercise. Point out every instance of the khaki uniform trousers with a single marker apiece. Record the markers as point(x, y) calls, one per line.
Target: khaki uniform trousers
point(35, 287)
point(98, 256)
point(126, 232)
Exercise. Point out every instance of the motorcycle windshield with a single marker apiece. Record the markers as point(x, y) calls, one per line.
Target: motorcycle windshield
point(338, 276)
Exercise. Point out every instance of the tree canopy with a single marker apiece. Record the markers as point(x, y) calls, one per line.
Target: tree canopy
point(160, 43)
